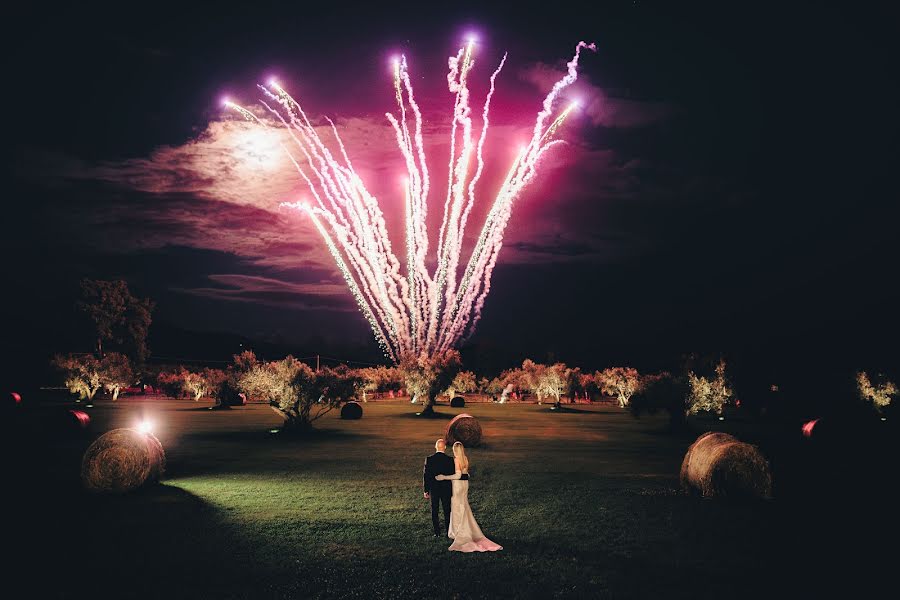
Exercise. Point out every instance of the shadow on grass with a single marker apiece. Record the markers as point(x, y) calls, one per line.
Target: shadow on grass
point(567, 409)
point(127, 536)
point(276, 435)
point(437, 416)
point(676, 433)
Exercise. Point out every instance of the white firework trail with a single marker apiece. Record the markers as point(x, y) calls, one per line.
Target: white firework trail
point(420, 313)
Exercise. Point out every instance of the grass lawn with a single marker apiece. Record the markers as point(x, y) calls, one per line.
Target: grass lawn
point(585, 504)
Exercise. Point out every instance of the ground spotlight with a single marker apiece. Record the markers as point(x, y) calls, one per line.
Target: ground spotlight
point(808, 427)
point(145, 426)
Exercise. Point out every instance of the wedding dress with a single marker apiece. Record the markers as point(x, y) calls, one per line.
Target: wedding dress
point(464, 530)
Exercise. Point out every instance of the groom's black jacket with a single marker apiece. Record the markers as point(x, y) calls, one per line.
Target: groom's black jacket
point(438, 464)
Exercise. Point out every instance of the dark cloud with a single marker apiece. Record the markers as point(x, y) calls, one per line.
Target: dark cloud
point(558, 248)
point(600, 106)
point(319, 295)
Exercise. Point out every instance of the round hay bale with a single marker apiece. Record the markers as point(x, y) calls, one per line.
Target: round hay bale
point(351, 410)
point(458, 402)
point(463, 428)
point(122, 460)
point(157, 458)
point(719, 465)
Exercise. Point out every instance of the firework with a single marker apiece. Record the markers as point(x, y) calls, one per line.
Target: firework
point(422, 312)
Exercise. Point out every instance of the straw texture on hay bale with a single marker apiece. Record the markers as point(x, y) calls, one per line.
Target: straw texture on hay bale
point(463, 428)
point(719, 465)
point(122, 460)
point(351, 410)
point(157, 458)
point(458, 402)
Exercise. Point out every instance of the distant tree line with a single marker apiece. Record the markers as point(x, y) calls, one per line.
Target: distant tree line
point(301, 395)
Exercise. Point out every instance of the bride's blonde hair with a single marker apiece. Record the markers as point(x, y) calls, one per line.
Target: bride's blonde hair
point(459, 452)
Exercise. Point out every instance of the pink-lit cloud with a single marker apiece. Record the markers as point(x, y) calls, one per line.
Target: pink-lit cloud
point(222, 189)
point(243, 174)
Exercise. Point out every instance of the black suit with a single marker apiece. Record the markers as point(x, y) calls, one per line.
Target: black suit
point(441, 491)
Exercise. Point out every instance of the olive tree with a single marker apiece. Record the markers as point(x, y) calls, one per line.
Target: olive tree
point(621, 382)
point(115, 373)
point(709, 394)
point(297, 393)
point(463, 382)
point(81, 372)
point(551, 381)
point(428, 376)
point(530, 376)
point(379, 379)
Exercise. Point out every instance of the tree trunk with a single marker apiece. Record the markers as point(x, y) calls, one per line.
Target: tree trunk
point(115, 394)
point(293, 421)
point(429, 405)
point(280, 413)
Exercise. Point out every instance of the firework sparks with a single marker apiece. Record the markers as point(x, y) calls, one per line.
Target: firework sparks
point(421, 312)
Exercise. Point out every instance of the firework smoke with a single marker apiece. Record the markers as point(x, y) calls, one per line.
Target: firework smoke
point(421, 313)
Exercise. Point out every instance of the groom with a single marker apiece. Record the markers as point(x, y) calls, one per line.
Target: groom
point(439, 492)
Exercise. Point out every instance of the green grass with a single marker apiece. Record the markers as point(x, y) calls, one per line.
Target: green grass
point(586, 504)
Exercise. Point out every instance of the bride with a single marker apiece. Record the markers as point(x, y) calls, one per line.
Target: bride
point(464, 531)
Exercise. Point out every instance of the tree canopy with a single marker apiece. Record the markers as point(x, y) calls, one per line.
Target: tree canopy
point(118, 316)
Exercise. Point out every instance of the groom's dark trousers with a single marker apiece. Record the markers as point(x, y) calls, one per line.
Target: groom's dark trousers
point(440, 491)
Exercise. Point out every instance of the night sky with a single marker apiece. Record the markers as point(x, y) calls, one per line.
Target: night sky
point(728, 186)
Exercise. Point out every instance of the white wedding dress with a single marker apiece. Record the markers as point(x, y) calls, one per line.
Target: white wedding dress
point(464, 530)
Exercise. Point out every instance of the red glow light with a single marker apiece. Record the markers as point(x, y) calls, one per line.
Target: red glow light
point(808, 427)
point(17, 397)
point(84, 419)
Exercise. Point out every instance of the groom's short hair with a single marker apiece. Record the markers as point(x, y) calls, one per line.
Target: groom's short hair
point(438, 442)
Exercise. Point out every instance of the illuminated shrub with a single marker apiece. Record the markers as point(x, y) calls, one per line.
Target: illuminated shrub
point(709, 394)
point(719, 465)
point(463, 428)
point(878, 390)
point(122, 460)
